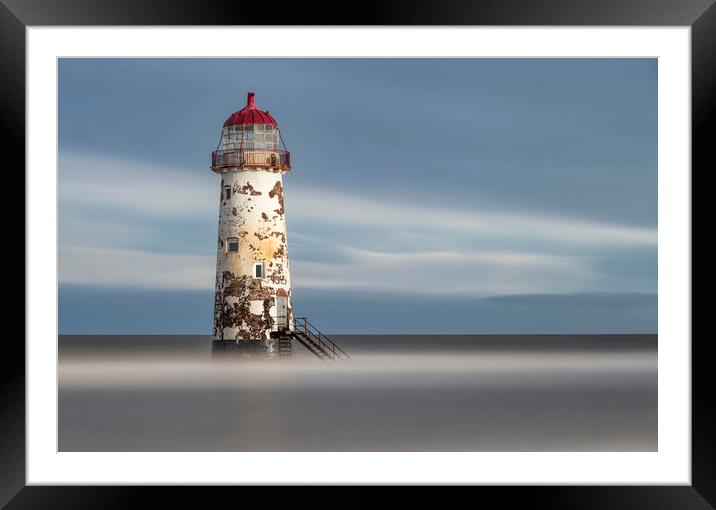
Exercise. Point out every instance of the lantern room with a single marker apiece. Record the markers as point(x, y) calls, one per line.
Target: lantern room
point(251, 138)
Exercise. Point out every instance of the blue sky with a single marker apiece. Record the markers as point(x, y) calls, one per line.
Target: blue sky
point(449, 195)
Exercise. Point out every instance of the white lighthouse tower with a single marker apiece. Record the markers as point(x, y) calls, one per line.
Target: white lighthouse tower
point(253, 285)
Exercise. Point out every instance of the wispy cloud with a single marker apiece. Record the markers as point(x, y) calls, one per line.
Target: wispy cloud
point(475, 273)
point(328, 206)
point(450, 273)
point(143, 188)
point(135, 268)
point(116, 246)
point(160, 191)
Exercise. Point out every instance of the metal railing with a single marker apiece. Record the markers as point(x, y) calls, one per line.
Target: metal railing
point(301, 325)
point(253, 158)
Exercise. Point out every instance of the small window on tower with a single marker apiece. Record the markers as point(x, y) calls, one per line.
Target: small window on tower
point(259, 269)
point(232, 244)
point(227, 192)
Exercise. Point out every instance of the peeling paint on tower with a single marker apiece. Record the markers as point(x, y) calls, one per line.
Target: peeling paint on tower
point(253, 283)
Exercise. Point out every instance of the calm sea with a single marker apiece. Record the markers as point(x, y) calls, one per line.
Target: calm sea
point(397, 393)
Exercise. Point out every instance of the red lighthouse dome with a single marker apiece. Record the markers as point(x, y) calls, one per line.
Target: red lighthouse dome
point(249, 114)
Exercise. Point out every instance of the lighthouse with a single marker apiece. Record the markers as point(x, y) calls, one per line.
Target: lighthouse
point(252, 300)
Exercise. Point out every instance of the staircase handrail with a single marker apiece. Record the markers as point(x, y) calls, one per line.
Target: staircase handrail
point(314, 333)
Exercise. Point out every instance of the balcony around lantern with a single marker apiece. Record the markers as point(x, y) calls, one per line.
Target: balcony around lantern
point(244, 157)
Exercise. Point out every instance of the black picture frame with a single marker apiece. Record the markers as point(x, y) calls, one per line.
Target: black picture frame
point(16, 15)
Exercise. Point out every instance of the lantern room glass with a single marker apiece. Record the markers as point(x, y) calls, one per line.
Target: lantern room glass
point(250, 136)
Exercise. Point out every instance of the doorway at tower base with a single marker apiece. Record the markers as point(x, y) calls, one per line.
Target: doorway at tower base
point(267, 348)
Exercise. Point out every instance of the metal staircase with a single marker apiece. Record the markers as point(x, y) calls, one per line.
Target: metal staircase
point(311, 338)
point(284, 346)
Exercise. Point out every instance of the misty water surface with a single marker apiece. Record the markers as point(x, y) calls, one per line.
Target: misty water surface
point(397, 393)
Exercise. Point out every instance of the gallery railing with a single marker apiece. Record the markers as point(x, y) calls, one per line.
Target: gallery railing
point(251, 158)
